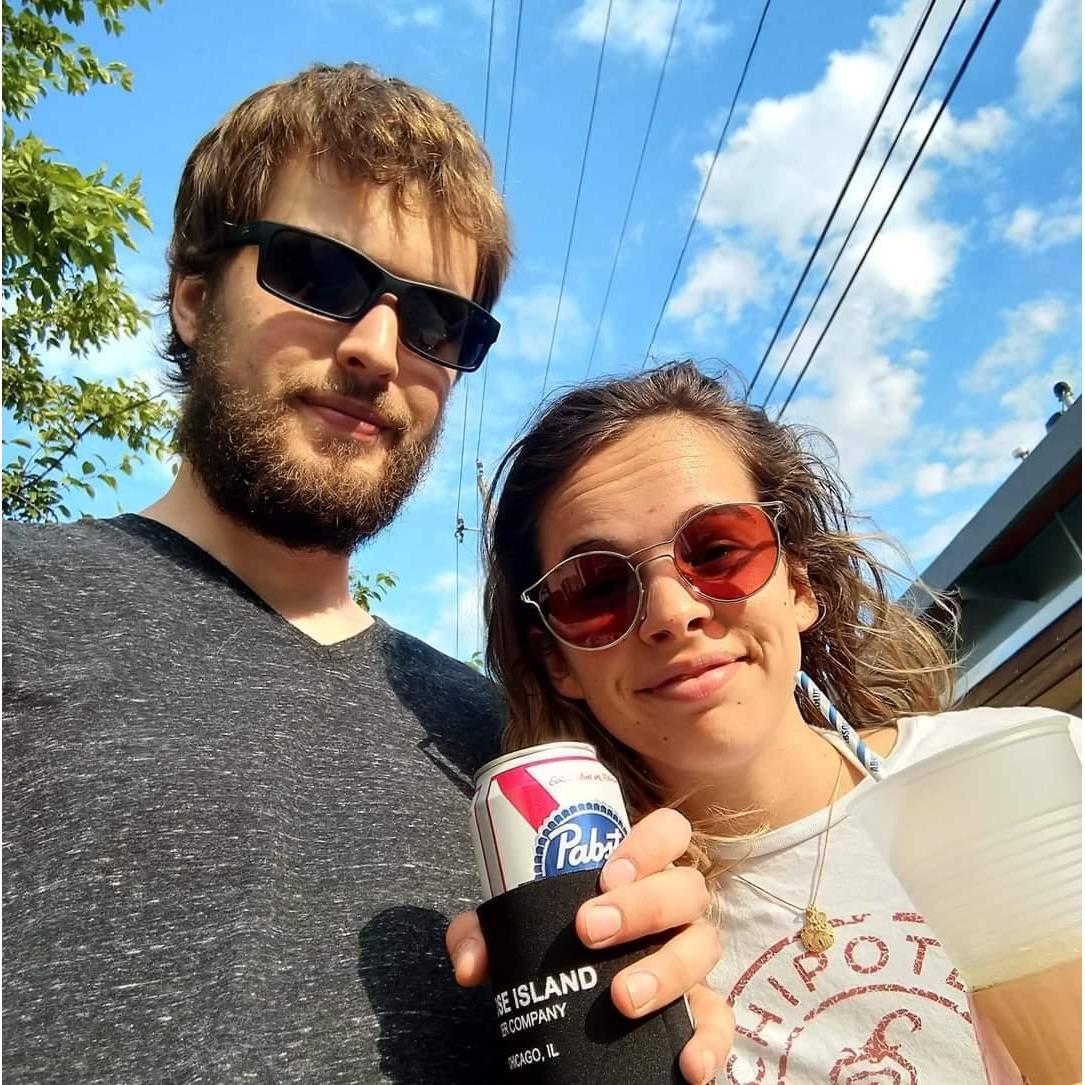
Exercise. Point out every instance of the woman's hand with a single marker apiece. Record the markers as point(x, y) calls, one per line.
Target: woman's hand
point(642, 895)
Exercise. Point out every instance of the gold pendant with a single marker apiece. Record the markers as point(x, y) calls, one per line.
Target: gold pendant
point(817, 932)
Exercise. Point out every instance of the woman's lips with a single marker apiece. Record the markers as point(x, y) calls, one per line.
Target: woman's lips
point(696, 687)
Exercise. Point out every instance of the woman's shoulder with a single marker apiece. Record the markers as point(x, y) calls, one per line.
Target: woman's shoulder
point(922, 736)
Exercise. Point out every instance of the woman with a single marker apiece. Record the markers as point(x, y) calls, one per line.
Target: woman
point(663, 560)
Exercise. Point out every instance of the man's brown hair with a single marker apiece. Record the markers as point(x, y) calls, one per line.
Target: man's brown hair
point(369, 128)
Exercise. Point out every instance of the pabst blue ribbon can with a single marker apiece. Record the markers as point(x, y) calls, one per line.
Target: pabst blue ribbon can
point(544, 811)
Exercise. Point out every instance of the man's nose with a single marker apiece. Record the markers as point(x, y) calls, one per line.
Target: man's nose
point(371, 345)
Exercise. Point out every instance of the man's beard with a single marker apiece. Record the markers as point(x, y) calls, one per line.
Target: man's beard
point(238, 443)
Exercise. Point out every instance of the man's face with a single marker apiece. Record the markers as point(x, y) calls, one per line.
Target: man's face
point(310, 430)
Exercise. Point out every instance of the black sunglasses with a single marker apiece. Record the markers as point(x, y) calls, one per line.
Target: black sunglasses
point(327, 277)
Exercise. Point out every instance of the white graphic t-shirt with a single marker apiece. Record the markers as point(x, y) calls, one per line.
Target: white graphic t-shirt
point(881, 1006)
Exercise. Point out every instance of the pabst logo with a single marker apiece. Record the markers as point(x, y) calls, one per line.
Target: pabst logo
point(577, 837)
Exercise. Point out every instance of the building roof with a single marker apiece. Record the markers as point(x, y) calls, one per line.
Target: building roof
point(1045, 482)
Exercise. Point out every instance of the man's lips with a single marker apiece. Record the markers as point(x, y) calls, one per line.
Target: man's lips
point(348, 416)
point(693, 679)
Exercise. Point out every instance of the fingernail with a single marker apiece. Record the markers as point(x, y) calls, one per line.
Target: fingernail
point(603, 922)
point(464, 952)
point(642, 988)
point(618, 872)
point(708, 1067)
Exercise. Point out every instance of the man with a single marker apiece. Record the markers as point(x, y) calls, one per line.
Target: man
point(235, 803)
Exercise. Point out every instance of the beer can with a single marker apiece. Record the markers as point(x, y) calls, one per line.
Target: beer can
point(544, 811)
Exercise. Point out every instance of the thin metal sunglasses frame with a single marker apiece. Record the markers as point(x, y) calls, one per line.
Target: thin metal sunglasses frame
point(261, 232)
point(773, 519)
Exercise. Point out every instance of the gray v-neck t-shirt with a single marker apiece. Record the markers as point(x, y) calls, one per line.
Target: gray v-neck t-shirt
point(230, 853)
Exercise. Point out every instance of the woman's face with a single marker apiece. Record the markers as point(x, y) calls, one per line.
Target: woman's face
point(698, 686)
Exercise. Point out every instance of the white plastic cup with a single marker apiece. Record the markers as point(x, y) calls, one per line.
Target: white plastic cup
point(986, 840)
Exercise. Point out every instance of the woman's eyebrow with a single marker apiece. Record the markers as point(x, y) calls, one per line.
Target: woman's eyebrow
point(610, 545)
point(592, 544)
point(689, 513)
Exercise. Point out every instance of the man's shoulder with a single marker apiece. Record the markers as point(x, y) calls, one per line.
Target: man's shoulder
point(26, 540)
point(459, 708)
point(58, 546)
point(443, 676)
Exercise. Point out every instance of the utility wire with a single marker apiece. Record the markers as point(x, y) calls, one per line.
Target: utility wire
point(576, 201)
point(504, 180)
point(512, 98)
point(892, 203)
point(863, 207)
point(489, 68)
point(460, 527)
point(916, 33)
point(707, 179)
point(459, 517)
point(633, 190)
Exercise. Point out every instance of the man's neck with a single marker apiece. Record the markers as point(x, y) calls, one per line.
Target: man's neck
point(309, 588)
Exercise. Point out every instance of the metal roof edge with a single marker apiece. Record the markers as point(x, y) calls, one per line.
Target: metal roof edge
point(1035, 474)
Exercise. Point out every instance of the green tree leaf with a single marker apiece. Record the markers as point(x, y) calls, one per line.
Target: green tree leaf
point(368, 589)
point(62, 230)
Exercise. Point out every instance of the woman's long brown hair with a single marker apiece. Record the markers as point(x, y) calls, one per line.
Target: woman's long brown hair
point(874, 659)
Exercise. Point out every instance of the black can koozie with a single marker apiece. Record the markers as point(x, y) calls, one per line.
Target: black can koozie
point(556, 1021)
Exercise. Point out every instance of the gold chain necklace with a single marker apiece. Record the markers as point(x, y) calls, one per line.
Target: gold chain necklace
point(817, 932)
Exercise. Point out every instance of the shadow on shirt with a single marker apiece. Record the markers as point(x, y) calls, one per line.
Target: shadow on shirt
point(460, 710)
point(431, 1030)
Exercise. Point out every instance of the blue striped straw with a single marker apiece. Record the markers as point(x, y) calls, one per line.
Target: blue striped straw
point(870, 760)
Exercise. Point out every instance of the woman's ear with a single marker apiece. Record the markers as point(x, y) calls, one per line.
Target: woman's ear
point(557, 667)
point(803, 600)
point(186, 307)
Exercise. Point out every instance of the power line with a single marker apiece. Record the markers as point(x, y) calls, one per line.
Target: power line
point(863, 207)
point(707, 179)
point(460, 527)
point(633, 190)
point(907, 55)
point(459, 517)
point(504, 179)
point(480, 489)
point(576, 201)
point(489, 68)
point(892, 203)
point(467, 387)
point(512, 98)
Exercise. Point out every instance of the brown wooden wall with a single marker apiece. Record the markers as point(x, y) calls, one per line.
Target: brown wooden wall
point(1046, 671)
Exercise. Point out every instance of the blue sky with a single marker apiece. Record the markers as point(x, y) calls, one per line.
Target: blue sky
point(942, 358)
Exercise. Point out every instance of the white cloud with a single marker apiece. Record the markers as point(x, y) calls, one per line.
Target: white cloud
point(959, 141)
point(447, 602)
point(722, 282)
point(1028, 327)
point(1049, 64)
point(643, 26)
point(1034, 397)
point(1035, 229)
point(985, 456)
point(936, 538)
point(424, 17)
point(869, 406)
point(781, 171)
point(915, 260)
point(769, 195)
point(932, 478)
point(527, 323)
